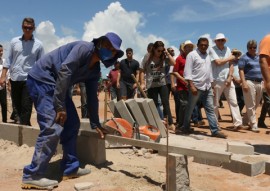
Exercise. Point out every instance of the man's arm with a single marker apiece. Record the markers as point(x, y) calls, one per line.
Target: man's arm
point(265, 72)
point(243, 79)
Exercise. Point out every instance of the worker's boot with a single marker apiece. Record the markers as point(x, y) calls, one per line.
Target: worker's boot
point(42, 183)
point(80, 172)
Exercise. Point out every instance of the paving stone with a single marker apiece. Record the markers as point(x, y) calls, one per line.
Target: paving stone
point(83, 186)
point(124, 112)
point(136, 112)
point(10, 132)
point(146, 111)
point(248, 165)
point(113, 109)
point(240, 148)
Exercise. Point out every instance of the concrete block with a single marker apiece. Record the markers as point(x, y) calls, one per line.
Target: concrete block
point(124, 112)
point(178, 178)
point(10, 132)
point(267, 167)
point(85, 124)
point(136, 112)
point(29, 135)
point(83, 186)
point(146, 111)
point(208, 161)
point(240, 148)
point(156, 116)
point(90, 148)
point(113, 109)
point(248, 165)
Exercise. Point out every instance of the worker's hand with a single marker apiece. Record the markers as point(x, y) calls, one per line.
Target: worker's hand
point(61, 117)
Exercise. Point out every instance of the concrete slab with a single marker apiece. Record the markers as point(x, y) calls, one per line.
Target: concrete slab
point(113, 109)
point(146, 111)
point(248, 165)
point(124, 112)
point(136, 112)
point(267, 167)
point(29, 135)
point(156, 116)
point(240, 148)
point(10, 132)
point(90, 148)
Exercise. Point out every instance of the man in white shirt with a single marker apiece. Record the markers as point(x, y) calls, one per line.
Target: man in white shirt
point(222, 67)
point(198, 73)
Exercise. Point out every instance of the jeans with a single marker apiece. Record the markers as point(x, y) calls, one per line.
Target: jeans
point(197, 114)
point(22, 101)
point(181, 100)
point(51, 132)
point(162, 91)
point(206, 98)
point(115, 93)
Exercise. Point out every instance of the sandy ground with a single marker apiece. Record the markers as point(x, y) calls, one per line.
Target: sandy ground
point(126, 171)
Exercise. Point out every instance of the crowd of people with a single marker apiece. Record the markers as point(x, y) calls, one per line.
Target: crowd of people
point(197, 78)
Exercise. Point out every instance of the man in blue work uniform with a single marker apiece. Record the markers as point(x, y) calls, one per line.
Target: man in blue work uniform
point(49, 82)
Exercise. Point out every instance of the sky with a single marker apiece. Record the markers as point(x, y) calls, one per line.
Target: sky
point(137, 22)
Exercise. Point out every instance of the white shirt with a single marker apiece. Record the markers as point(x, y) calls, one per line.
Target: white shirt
point(199, 70)
point(220, 72)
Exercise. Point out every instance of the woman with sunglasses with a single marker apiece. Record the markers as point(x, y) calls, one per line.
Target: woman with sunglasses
point(153, 68)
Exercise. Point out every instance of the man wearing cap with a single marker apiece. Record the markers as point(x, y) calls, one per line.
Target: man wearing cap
point(181, 90)
point(49, 82)
point(222, 68)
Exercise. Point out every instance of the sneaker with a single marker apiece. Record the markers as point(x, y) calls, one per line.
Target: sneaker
point(42, 183)
point(80, 172)
point(261, 124)
point(219, 135)
point(255, 129)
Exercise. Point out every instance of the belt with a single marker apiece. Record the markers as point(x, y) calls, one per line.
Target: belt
point(255, 80)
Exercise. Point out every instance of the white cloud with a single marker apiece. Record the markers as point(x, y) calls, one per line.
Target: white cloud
point(218, 10)
point(67, 31)
point(45, 32)
point(114, 19)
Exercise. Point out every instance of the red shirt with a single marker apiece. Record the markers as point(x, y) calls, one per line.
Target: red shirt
point(179, 67)
point(113, 76)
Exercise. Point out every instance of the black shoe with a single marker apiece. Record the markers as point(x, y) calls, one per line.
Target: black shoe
point(261, 124)
point(188, 131)
point(219, 135)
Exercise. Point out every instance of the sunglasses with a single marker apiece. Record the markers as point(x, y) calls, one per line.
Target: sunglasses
point(28, 28)
point(158, 50)
point(254, 48)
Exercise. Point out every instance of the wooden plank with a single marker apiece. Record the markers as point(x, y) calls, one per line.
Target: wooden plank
point(206, 154)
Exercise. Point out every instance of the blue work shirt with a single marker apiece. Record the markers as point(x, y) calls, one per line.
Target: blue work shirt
point(251, 67)
point(66, 66)
point(22, 56)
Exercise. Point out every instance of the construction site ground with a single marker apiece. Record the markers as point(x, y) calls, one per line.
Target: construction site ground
point(126, 171)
